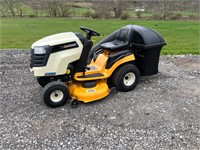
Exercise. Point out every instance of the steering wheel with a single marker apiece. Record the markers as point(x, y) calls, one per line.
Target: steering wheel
point(89, 32)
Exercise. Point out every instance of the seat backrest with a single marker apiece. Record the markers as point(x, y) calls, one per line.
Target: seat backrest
point(124, 35)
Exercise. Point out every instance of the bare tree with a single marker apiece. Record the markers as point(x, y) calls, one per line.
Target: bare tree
point(65, 9)
point(166, 8)
point(3, 10)
point(118, 6)
point(52, 8)
point(10, 6)
point(102, 9)
point(14, 6)
point(57, 8)
point(36, 7)
point(19, 7)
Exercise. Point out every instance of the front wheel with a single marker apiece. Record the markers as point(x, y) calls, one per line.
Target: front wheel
point(126, 77)
point(55, 94)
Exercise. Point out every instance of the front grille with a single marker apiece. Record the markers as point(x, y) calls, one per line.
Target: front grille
point(39, 60)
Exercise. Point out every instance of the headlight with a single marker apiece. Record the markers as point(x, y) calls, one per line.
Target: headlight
point(40, 49)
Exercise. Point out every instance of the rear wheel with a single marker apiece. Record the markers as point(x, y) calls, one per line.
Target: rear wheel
point(126, 77)
point(55, 94)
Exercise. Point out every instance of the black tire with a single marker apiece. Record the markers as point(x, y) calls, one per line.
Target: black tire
point(126, 77)
point(43, 81)
point(55, 94)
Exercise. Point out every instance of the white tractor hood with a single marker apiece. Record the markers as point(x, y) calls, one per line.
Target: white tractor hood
point(56, 39)
point(58, 61)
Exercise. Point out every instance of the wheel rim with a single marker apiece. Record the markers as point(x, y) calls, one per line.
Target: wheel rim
point(56, 96)
point(129, 79)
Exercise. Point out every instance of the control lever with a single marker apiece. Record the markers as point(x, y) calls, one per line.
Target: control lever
point(85, 68)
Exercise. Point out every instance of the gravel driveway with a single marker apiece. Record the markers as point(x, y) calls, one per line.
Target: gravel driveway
point(163, 112)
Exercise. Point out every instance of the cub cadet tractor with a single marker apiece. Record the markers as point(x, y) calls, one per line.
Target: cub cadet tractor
point(69, 68)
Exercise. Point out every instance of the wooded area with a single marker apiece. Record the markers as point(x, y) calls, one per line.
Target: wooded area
point(124, 9)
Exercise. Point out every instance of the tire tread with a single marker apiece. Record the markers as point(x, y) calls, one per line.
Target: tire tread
point(49, 86)
point(119, 75)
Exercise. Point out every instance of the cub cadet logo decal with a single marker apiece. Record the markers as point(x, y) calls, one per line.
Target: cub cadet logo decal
point(62, 47)
point(91, 91)
point(70, 45)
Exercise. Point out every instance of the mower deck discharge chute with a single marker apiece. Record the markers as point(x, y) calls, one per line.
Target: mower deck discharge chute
point(69, 68)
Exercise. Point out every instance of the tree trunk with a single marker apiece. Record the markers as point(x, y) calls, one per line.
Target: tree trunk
point(1, 13)
point(11, 8)
point(20, 10)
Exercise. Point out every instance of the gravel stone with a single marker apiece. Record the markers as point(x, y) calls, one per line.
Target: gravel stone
point(162, 112)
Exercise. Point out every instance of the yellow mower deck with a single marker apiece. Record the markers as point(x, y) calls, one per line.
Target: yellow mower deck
point(98, 73)
point(86, 95)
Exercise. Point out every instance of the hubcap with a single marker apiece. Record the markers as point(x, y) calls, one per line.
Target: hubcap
point(56, 96)
point(129, 79)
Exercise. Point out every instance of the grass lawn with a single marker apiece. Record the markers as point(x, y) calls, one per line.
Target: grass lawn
point(182, 37)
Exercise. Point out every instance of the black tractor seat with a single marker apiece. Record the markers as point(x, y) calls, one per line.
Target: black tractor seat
point(121, 42)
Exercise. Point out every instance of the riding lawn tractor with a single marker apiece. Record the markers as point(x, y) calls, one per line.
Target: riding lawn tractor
point(70, 68)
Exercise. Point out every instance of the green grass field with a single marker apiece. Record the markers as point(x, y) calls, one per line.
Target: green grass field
point(182, 37)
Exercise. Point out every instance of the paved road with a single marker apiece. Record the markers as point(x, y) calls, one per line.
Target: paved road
point(161, 113)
